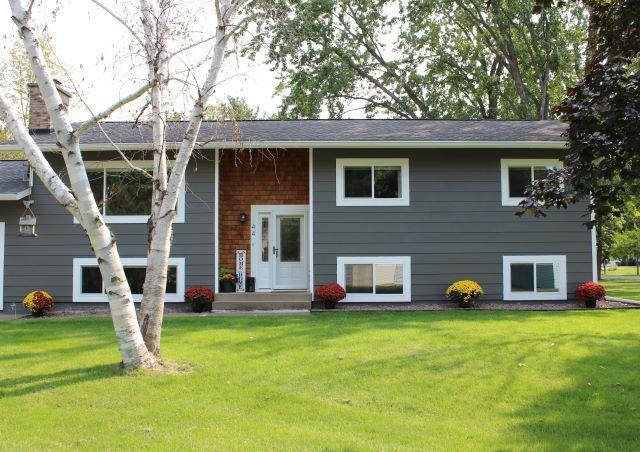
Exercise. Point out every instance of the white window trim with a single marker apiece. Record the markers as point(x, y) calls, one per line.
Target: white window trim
point(78, 263)
point(382, 298)
point(403, 163)
point(132, 219)
point(508, 295)
point(504, 175)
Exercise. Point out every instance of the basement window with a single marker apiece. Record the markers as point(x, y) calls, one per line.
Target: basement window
point(371, 279)
point(372, 182)
point(88, 285)
point(534, 277)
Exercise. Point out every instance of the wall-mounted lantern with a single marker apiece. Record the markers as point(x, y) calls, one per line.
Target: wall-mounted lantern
point(28, 221)
point(243, 217)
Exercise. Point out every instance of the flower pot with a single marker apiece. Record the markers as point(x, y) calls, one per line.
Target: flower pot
point(330, 304)
point(38, 313)
point(200, 306)
point(591, 304)
point(463, 304)
point(226, 285)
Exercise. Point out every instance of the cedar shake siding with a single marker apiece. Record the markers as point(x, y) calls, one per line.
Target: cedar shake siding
point(248, 178)
point(45, 262)
point(454, 228)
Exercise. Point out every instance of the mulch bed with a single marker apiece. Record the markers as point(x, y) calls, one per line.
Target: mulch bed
point(481, 306)
point(390, 307)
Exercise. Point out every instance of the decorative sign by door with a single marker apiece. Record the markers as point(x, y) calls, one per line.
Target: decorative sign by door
point(241, 270)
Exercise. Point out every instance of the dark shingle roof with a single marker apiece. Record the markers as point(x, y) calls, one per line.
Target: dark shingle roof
point(14, 176)
point(344, 130)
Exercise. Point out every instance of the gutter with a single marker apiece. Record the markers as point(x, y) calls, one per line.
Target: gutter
point(321, 145)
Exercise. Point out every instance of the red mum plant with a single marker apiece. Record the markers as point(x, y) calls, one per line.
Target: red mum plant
point(590, 293)
point(200, 298)
point(330, 294)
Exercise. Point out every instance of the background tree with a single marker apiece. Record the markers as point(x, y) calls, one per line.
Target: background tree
point(233, 108)
point(603, 112)
point(15, 76)
point(626, 245)
point(619, 221)
point(423, 58)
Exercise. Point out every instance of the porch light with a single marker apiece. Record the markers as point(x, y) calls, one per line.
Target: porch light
point(243, 217)
point(28, 221)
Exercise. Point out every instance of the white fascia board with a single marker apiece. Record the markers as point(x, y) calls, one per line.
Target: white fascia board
point(15, 196)
point(326, 144)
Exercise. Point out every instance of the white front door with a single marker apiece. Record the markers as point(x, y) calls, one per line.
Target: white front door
point(279, 247)
point(290, 260)
point(1, 266)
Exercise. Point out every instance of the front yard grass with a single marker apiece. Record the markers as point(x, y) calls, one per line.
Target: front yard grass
point(336, 381)
point(622, 283)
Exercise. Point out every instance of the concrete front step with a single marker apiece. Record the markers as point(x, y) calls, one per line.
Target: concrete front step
point(258, 313)
point(262, 301)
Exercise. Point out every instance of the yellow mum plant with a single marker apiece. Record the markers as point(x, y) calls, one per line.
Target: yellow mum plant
point(464, 292)
point(38, 302)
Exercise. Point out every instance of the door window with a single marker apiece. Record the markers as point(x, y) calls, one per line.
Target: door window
point(290, 239)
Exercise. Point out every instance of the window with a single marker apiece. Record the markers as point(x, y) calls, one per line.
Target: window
point(383, 279)
point(265, 239)
point(372, 182)
point(534, 277)
point(88, 286)
point(517, 175)
point(124, 195)
point(290, 229)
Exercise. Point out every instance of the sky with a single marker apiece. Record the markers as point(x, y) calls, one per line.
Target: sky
point(93, 48)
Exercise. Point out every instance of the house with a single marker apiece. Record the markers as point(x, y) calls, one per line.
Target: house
point(393, 210)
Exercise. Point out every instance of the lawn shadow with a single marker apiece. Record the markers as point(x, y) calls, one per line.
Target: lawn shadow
point(598, 410)
point(34, 383)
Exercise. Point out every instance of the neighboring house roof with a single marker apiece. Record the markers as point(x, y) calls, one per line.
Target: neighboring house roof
point(14, 180)
point(336, 132)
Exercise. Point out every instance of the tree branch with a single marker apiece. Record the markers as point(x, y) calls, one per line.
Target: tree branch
point(119, 19)
point(121, 103)
point(37, 160)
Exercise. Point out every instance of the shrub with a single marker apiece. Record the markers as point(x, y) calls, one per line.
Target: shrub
point(330, 292)
point(225, 271)
point(38, 302)
point(464, 291)
point(229, 276)
point(590, 291)
point(200, 298)
point(198, 294)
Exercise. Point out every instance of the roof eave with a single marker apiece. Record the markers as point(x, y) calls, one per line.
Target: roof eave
point(15, 196)
point(529, 144)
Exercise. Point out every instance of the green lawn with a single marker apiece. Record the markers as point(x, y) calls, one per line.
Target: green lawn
point(338, 381)
point(621, 271)
point(622, 283)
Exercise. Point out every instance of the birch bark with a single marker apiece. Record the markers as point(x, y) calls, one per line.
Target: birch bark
point(132, 348)
point(160, 239)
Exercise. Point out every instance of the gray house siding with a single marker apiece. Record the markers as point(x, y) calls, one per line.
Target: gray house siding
point(454, 228)
point(45, 262)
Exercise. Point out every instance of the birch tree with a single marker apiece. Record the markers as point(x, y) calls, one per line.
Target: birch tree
point(166, 187)
point(78, 198)
point(139, 343)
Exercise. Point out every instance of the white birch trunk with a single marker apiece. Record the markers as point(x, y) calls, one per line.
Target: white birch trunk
point(154, 290)
point(132, 348)
point(160, 240)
